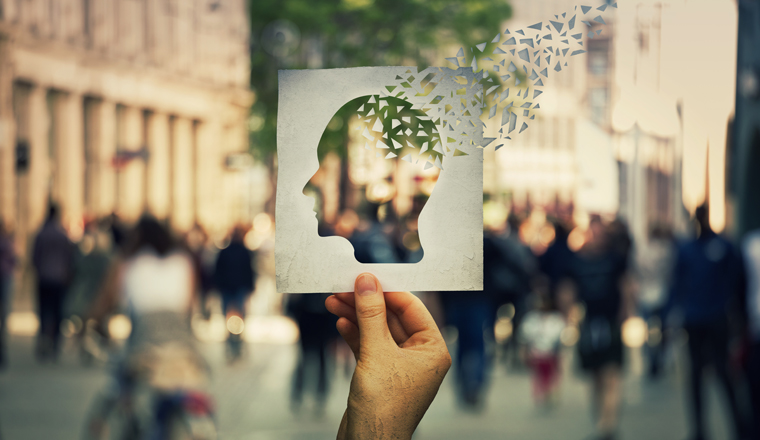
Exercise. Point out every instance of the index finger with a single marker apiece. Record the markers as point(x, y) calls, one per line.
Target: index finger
point(412, 313)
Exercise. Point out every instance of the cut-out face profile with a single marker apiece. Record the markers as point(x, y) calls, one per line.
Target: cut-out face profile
point(379, 162)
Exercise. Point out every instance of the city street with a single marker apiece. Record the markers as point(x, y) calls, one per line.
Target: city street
point(50, 402)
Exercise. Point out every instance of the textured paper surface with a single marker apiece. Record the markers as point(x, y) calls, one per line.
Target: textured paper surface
point(450, 225)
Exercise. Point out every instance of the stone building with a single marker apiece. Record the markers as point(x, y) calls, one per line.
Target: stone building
point(124, 106)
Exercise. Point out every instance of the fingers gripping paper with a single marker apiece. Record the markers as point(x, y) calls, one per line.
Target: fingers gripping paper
point(450, 224)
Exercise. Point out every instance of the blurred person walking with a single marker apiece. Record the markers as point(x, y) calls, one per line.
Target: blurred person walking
point(316, 327)
point(540, 336)
point(53, 257)
point(706, 284)
point(153, 281)
point(751, 253)
point(371, 241)
point(117, 230)
point(204, 260)
point(235, 278)
point(597, 272)
point(508, 268)
point(654, 264)
point(553, 263)
point(89, 274)
point(471, 313)
point(7, 264)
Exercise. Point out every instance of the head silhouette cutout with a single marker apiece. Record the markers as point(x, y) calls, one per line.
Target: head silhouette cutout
point(379, 162)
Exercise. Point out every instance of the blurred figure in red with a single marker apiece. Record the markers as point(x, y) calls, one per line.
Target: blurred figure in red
point(235, 278)
point(53, 257)
point(540, 337)
point(706, 284)
point(7, 264)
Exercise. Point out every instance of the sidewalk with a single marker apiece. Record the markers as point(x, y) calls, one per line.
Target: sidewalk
point(50, 401)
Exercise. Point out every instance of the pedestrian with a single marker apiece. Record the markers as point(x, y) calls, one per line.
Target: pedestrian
point(235, 277)
point(316, 328)
point(508, 268)
point(53, 258)
point(654, 264)
point(7, 264)
point(117, 230)
point(751, 253)
point(89, 274)
point(470, 313)
point(706, 282)
point(153, 281)
point(597, 272)
point(540, 337)
point(371, 240)
point(196, 242)
point(553, 263)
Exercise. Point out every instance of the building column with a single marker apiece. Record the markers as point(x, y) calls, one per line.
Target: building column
point(39, 157)
point(100, 142)
point(106, 147)
point(71, 161)
point(213, 195)
point(7, 136)
point(130, 201)
point(239, 205)
point(183, 174)
point(159, 165)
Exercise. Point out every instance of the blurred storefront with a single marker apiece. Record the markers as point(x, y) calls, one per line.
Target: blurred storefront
point(123, 106)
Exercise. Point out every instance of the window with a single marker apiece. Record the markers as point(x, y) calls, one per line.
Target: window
point(598, 104)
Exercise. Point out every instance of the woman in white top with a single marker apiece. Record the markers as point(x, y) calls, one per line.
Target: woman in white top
point(154, 283)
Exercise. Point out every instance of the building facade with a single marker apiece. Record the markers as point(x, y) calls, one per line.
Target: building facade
point(564, 160)
point(123, 106)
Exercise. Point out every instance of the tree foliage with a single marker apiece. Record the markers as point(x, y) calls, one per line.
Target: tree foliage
point(295, 34)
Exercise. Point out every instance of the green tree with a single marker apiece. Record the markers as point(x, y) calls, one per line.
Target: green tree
point(295, 34)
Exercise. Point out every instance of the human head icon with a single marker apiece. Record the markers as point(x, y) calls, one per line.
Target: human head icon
point(379, 161)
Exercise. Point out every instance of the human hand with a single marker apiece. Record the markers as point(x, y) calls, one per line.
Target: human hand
point(401, 360)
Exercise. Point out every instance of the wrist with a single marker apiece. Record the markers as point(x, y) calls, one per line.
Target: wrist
point(374, 424)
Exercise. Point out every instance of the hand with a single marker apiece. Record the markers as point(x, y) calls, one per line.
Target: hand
point(401, 360)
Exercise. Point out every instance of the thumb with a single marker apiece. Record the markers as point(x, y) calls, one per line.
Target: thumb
point(370, 311)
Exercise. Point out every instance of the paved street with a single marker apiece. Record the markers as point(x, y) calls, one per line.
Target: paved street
point(50, 402)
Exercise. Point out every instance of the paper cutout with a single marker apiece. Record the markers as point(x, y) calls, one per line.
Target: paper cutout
point(306, 262)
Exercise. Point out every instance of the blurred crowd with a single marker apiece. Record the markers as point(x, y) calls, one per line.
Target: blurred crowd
point(553, 284)
point(548, 286)
point(152, 282)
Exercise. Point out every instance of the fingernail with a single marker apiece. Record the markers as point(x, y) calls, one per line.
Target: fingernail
point(366, 285)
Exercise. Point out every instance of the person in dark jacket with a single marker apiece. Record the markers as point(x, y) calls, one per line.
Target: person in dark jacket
point(707, 280)
point(751, 304)
point(234, 277)
point(316, 329)
point(7, 264)
point(597, 272)
point(53, 258)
